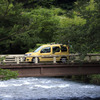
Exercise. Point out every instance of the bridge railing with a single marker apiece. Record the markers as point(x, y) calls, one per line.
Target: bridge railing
point(88, 57)
point(19, 58)
point(12, 58)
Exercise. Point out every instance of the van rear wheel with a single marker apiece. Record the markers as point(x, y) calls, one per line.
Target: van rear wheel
point(63, 59)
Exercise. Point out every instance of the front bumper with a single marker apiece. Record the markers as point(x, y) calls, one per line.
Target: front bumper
point(28, 59)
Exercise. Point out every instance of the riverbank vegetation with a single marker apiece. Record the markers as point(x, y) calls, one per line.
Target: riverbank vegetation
point(6, 74)
point(91, 79)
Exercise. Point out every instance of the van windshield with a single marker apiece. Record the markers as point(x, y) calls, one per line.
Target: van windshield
point(38, 49)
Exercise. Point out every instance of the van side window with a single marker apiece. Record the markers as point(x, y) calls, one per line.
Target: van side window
point(56, 49)
point(63, 49)
point(46, 50)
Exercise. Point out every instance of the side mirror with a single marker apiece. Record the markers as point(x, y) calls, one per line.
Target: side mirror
point(41, 51)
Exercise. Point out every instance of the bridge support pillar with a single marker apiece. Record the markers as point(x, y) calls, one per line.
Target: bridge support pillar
point(36, 60)
point(17, 60)
point(54, 59)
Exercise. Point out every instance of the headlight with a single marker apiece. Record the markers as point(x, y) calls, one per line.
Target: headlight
point(28, 54)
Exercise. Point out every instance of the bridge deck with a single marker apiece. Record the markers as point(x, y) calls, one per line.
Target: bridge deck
point(30, 70)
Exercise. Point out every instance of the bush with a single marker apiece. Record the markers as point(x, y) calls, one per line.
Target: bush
point(6, 74)
point(95, 79)
point(92, 79)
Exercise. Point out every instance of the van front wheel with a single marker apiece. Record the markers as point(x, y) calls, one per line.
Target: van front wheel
point(63, 59)
point(33, 60)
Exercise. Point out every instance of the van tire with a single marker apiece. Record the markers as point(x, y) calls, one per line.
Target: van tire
point(33, 60)
point(63, 59)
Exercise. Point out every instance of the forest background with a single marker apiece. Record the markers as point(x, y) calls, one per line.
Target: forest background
point(25, 23)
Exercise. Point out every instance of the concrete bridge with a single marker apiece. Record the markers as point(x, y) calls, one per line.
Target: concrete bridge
point(72, 67)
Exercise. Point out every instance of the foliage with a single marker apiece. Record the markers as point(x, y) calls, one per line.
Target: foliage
point(23, 24)
point(2, 58)
point(42, 24)
point(82, 29)
point(92, 79)
point(65, 4)
point(26, 28)
point(37, 45)
point(81, 78)
point(7, 74)
point(95, 79)
point(11, 24)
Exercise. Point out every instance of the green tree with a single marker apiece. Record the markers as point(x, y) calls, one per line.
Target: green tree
point(64, 4)
point(21, 29)
point(90, 12)
point(83, 28)
point(43, 24)
point(12, 27)
point(10, 17)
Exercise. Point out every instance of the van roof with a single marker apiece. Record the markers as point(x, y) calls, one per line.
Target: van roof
point(52, 44)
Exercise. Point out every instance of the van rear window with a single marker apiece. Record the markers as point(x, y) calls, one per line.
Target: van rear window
point(63, 49)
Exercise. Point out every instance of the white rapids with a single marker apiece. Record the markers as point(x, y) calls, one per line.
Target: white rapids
point(34, 88)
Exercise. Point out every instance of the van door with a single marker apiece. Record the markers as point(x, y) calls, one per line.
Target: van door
point(56, 51)
point(45, 53)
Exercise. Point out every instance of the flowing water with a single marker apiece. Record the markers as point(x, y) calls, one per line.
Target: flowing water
point(34, 88)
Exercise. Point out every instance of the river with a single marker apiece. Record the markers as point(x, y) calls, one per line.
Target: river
point(36, 88)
